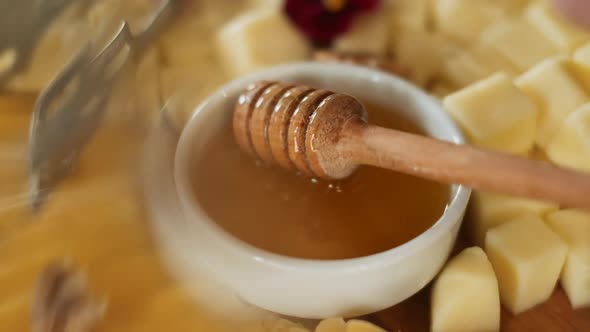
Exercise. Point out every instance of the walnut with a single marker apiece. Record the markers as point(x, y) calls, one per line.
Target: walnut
point(61, 302)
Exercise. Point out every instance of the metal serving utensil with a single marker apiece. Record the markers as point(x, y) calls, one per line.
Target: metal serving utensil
point(69, 111)
point(21, 28)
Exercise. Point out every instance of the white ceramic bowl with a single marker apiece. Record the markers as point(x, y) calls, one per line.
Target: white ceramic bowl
point(314, 288)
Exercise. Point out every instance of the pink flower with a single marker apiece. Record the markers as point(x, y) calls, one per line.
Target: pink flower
point(323, 20)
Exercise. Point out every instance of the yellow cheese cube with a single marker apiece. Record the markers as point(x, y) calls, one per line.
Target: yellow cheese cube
point(519, 42)
point(464, 20)
point(581, 65)
point(489, 210)
point(527, 257)
point(493, 59)
point(259, 38)
point(565, 35)
point(556, 93)
point(574, 228)
point(466, 67)
point(465, 296)
point(571, 145)
point(408, 14)
point(355, 325)
point(331, 325)
point(423, 52)
point(495, 114)
point(368, 35)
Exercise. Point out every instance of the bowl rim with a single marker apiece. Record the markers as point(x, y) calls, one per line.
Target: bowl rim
point(201, 222)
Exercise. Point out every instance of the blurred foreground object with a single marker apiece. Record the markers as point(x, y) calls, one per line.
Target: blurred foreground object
point(70, 110)
point(22, 26)
point(61, 302)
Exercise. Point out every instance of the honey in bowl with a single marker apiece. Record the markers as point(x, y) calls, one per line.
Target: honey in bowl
point(270, 208)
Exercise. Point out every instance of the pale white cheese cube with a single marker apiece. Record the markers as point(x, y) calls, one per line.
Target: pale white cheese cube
point(489, 210)
point(464, 69)
point(527, 257)
point(423, 52)
point(570, 146)
point(495, 114)
point(408, 14)
point(573, 227)
point(369, 34)
point(465, 296)
point(464, 20)
point(556, 93)
point(562, 33)
point(259, 38)
point(331, 325)
point(519, 42)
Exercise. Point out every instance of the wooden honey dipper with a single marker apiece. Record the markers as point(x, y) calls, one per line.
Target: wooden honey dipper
point(326, 134)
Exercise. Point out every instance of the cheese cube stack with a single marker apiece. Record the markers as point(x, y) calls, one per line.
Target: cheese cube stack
point(555, 91)
point(527, 257)
point(257, 39)
point(571, 145)
point(574, 228)
point(489, 210)
point(464, 20)
point(369, 34)
point(495, 114)
point(465, 296)
point(519, 42)
point(565, 35)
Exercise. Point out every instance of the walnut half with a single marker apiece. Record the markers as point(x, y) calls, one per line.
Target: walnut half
point(61, 302)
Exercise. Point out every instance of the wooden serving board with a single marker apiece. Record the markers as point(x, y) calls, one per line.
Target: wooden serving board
point(95, 221)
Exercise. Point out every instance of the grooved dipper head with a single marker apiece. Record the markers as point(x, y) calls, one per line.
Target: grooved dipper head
point(296, 127)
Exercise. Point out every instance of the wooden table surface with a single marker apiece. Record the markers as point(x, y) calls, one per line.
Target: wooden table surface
point(409, 316)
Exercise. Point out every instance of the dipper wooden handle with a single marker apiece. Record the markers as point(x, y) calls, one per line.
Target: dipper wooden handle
point(325, 134)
